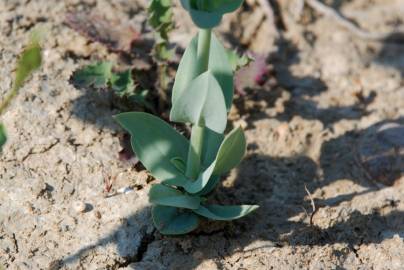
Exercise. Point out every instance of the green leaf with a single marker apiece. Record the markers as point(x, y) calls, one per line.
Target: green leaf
point(230, 154)
point(96, 75)
point(123, 84)
point(174, 221)
point(187, 70)
point(211, 145)
point(238, 61)
point(202, 104)
point(160, 17)
point(29, 61)
point(3, 136)
point(208, 13)
point(164, 195)
point(156, 143)
point(179, 164)
point(225, 212)
point(219, 65)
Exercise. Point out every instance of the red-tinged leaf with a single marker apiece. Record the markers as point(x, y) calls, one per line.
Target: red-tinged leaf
point(252, 75)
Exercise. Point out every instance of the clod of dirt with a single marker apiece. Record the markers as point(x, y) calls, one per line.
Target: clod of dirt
point(381, 151)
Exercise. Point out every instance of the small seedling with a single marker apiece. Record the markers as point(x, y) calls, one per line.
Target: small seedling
point(202, 96)
point(101, 75)
point(161, 20)
point(29, 61)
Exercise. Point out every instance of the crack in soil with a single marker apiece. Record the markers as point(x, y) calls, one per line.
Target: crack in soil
point(146, 240)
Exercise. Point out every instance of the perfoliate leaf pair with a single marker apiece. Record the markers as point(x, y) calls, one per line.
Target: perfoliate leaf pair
point(202, 104)
point(219, 67)
point(208, 13)
point(175, 212)
point(229, 155)
point(156, 144)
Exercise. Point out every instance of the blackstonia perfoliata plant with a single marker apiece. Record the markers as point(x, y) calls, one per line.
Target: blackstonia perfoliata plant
point(202, 96)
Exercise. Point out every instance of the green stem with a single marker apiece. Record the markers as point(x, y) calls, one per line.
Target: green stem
point(198, 130)
point(7, 100)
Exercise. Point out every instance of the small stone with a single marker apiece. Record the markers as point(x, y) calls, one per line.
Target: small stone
point(125, 190)
point(79, 207)
point(97, 214)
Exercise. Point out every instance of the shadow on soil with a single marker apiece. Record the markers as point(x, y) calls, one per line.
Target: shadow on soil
point(301, 91)
point(278, 186)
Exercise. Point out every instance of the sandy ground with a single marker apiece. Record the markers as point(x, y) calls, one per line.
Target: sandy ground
point(331, 103)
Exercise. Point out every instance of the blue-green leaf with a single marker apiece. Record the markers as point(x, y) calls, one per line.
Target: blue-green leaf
point(225, 212)
point(230, 154)
point(174, 221)
point(179, 164)
point(221, 68)
point(211, 144)
point(219, 65)
point(168, 196)
point(208, 13)
point(202, 104)
point(3, 136)
point(156, 143)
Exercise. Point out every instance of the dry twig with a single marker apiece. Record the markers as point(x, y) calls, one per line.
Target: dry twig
point(313, 206)
point(344, 22)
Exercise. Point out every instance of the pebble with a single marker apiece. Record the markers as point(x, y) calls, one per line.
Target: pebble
point(79, 207)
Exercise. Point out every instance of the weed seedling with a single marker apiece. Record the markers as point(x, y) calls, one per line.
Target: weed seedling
point(30, 60)
point(202, 96)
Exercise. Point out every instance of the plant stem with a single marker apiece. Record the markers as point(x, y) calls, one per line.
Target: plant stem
point(7, 99)
point(198, 130)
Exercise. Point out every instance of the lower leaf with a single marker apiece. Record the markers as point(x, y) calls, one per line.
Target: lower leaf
point(168, 196)
point(174, 221)
point(225, 212)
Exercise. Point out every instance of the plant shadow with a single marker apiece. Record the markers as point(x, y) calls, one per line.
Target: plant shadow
point(278, 185)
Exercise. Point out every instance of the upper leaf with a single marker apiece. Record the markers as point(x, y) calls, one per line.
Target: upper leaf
point(156, 143)
point(96, 75)
point(208, 13)
point(202, 104)
point(225, 212)
point(173, 221)
point(219, 65)
point(164, 195)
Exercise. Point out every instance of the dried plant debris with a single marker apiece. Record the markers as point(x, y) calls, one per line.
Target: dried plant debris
point(115, 35)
